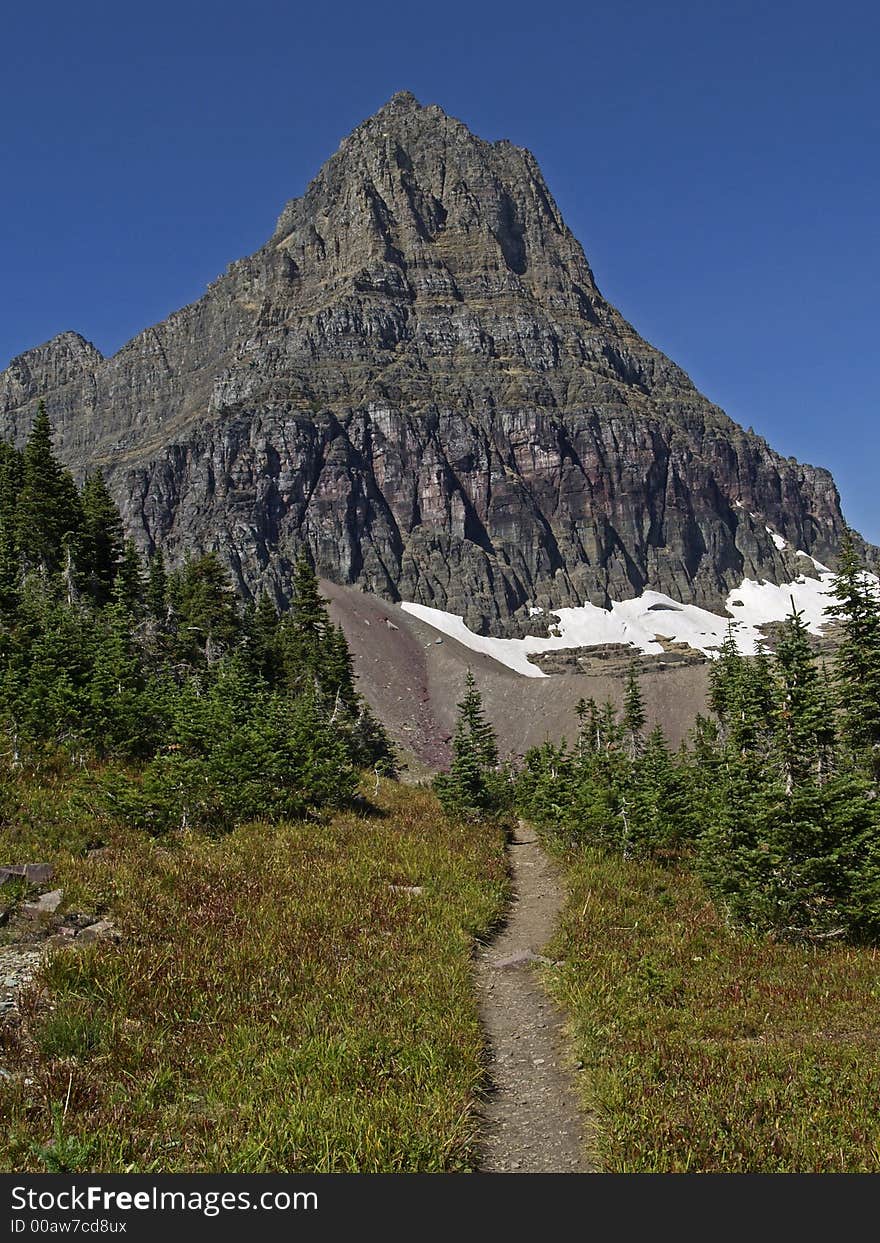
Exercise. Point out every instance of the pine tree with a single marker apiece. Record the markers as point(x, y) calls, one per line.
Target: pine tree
point(117, 719)
point(609, 729)
point(305, 627)
point(857, 662)
point(308, 610)
point(48, 514)
point(589, 726)
point(102, 538)
point(633, 713)
point(802, 712)
point(130, 579)
point(156, 596)
point(205, 608)
point(11, 474)
point(660, 800)
point(742, 696)
point(471, 787)
point(261, 632)
point(336, 672)
point(479, 735)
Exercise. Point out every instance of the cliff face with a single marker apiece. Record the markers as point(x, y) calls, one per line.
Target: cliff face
point(418, 377)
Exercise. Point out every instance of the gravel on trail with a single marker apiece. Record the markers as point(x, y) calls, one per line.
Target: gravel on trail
point(532, 1120)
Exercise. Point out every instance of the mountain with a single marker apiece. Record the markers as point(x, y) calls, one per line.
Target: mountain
point(418, 377)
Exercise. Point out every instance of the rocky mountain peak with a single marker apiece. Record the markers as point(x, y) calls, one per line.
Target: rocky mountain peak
point(411, 173)
point(418, 377)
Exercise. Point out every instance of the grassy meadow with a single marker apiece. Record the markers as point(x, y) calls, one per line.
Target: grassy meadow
point(279, 1000)
point(706, 1049)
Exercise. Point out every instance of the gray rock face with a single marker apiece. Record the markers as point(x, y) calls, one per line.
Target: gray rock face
point(417, 377)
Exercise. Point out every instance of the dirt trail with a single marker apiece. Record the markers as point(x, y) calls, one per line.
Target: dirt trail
point(532, 1121)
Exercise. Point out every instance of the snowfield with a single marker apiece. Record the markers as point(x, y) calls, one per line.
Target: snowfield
point(641, 622)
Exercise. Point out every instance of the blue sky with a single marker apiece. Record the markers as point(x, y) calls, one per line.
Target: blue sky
point(719, 162)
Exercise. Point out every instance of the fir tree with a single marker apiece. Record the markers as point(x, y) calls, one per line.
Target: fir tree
point(305, 627)
point(589, 726)
point(336, 671)
point(660, 801)
point(117, 721)
point(633, 713)
point(803, 712)
point(609, 730)
point(261, 633)
point(472, 787)
point(308, 611)
point(130, 579)
point(205, 609)
point(102, 538)
point(11, 474)
point(156, 596)
point(857, 662)
point(48, 514)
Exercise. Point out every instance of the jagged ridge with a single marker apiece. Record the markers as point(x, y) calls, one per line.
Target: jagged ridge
point(418, 377)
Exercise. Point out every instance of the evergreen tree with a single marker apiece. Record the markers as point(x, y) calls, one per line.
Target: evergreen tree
point(472, 786)
point(205, 610)
point(130, 579)
point(609, 730)
point(857, 662)
point(237, 752)
point(589, 726)
point(11, 475)
point(117, 720)
point(261, 632)
point(633, 713)
point(156, 596)
point(803, 713)
point(783, 825)
point(102, 538)
point(305, 627)
point(48, 514)
point(660, 808)
point(474, 730)
point(336, 671)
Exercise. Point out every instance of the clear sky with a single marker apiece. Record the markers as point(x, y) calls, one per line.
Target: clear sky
point(719, 162)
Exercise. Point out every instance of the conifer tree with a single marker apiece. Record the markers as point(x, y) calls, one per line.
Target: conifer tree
point(857, 662)
point(589, 727)
point(471, 787)
point(609, 728)
point(11, 470)
point(633, 713)
point(476, 732)
point(102, 538)
point(117, 720)
point(261, 632)
point(336, 673)
point(156, 596)
point(48, 514)
point(305, 626)
point(659, 799)
point(205, 608)
point(803, 714)
point(130, 579)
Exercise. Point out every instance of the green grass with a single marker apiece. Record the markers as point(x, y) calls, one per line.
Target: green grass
point(705, 1049)
point(274, 1004)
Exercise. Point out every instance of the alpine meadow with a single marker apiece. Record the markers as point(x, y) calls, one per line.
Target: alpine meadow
point(434, 736)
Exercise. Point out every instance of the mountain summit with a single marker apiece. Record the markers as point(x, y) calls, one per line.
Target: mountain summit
point(418, 378)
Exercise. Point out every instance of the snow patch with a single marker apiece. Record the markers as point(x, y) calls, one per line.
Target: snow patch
point(510, 652)
point(641, 622)
point(817, 564)
point(776, 538)
point(651, 616)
